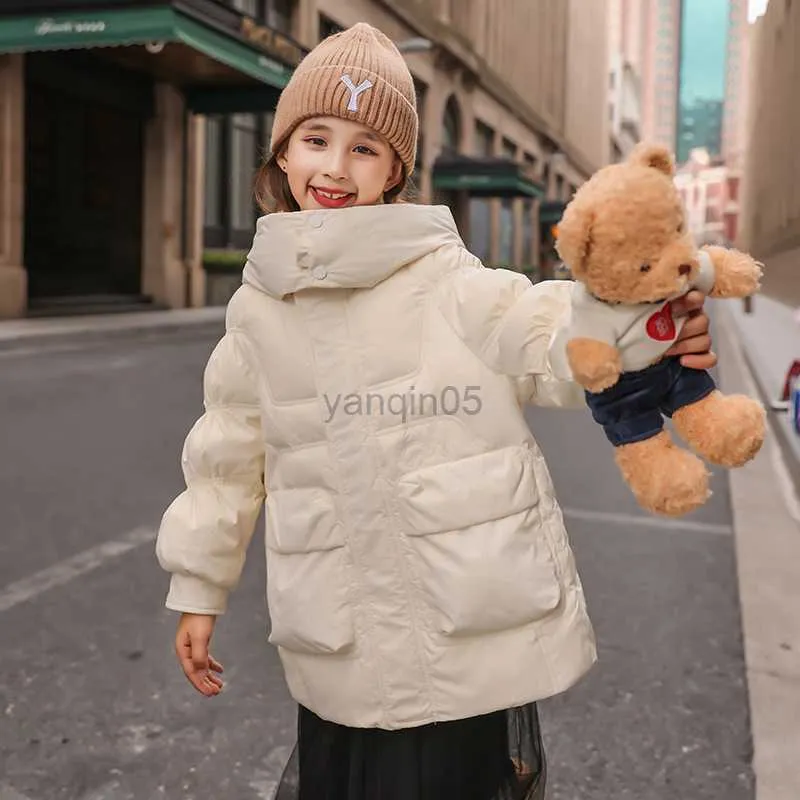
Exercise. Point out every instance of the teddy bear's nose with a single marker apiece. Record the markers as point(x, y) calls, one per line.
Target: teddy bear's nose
point(684, 269)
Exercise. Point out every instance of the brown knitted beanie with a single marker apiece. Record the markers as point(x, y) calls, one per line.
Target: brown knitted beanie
point(359, 75)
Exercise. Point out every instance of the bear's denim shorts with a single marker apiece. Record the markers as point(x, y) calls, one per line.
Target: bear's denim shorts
point(634, 408)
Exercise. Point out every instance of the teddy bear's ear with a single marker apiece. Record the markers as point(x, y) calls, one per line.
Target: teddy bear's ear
point(574, 241)
point(653, 155)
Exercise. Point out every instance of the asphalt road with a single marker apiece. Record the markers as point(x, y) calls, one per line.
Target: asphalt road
point(94, 707)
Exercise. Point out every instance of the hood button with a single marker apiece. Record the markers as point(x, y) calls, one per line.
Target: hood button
point(319, 272)
point(316, 222)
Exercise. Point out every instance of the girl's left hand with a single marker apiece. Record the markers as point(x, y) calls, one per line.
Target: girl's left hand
point(694, 343)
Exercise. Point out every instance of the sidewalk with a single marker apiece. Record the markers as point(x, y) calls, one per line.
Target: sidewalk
point(770, 341)
point(766, 516)
point(25, 333)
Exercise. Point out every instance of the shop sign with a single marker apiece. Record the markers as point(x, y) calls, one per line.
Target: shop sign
point(271, 41)
point(47, 27)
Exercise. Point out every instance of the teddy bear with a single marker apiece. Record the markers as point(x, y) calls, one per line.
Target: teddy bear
point(624, 237)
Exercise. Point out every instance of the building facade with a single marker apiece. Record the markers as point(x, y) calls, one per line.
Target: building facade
point(771, 184)
point(734, 113)
point(586, 126)
point(626, 27)
point(127, 170)
point(660, 70)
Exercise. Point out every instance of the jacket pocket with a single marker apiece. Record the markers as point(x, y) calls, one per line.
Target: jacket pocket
point(307, 586)
point(476, 543)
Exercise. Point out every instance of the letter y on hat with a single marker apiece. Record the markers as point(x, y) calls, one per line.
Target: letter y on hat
point(355, 91)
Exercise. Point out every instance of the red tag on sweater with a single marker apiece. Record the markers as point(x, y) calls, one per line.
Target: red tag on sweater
point(661, 326)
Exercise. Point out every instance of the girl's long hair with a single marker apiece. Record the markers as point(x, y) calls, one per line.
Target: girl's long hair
point(272, 192)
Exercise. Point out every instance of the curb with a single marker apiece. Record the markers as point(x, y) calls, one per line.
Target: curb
point(788, 440)
point(23, 335)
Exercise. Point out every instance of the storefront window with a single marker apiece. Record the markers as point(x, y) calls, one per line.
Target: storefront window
point(266, 126)
point(506, 232)
point(235, 147)
point(243, 167)
point(420, 90)
point(530, 163)
point(327, 27)
point(451, 125)
point(527, 232)
point(275, 13)
point(213, 172)
point(279, 15)
point(480, 233)
point(246, 6)
point(484, 139)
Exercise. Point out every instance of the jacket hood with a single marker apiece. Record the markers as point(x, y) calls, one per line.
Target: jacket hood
point(345, 248)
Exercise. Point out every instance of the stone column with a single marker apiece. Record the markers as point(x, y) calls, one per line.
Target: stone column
point(13, 275)
point(306, 23)
point(163, 272)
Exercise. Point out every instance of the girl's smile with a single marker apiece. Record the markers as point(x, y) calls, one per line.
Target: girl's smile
point(331, 198)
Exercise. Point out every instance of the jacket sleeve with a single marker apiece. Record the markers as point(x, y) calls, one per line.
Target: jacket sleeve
point(511, 325)
point(205, 532)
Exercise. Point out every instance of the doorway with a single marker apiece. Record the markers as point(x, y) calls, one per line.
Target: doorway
point(83, 179)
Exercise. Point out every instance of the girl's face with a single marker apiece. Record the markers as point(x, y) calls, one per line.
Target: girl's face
point(333, 163)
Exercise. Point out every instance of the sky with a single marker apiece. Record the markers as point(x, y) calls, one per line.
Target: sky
point(705, 33)
point(756, 8)
point(704, 46)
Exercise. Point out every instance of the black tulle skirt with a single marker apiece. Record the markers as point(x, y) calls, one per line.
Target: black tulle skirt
point(497, 756)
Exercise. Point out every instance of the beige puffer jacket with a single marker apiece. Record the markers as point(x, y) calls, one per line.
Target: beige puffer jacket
point(369, 387)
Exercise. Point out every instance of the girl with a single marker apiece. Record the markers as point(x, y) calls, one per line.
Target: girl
point(369, 389)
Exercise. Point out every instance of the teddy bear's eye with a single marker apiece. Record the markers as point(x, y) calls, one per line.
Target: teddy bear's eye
point(645, 268)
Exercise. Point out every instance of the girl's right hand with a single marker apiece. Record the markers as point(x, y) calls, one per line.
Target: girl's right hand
point(191, 647)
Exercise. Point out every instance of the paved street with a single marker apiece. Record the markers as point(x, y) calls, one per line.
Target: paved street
point(94, 706)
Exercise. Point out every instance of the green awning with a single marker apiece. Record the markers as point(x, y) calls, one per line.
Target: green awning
point(486, 185)
point(551, 212)
point(483, 177)
point(104, 28)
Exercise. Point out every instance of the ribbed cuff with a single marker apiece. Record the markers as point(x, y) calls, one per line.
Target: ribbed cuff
point(707, 276)
point(195, 596)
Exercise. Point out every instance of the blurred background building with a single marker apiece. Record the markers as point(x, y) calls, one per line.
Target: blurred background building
point(130, 133)
point(694, 101)
point(734, 112)
point(710, 191)
point(771, 185)
point(626, 29)
point(660, 70)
